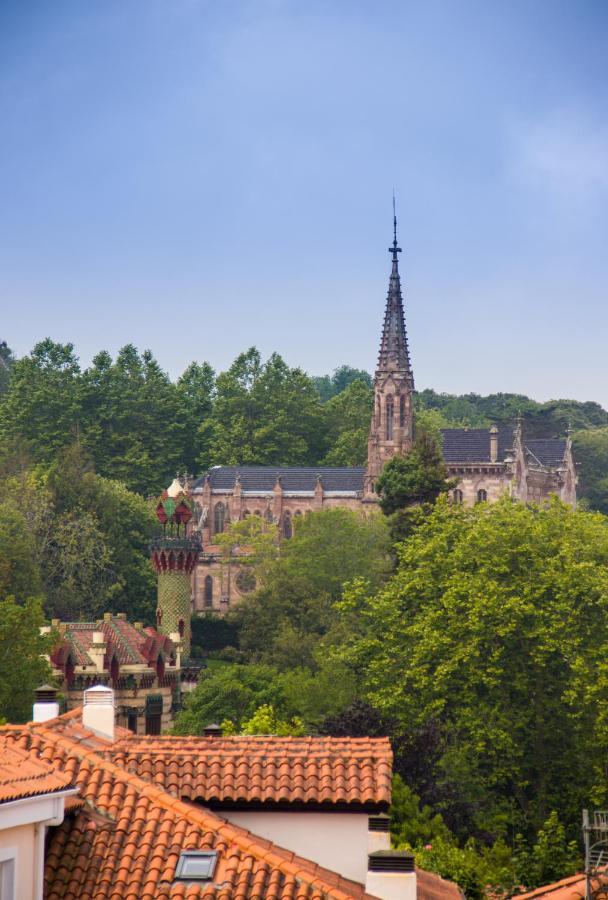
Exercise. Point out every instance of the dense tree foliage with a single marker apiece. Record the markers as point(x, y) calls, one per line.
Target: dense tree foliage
point(23, 665)
point(410, 484)
point(76, 540)
point(283, 621)
point(591, 455)
point(330, 386)
point(489, 629)
point(6, 364)
point(139, 427)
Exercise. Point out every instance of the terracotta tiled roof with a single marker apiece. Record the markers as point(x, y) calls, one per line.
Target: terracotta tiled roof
point(571, 888)
point(22, 775)
point(126, 839)
point(262, 770)
point(431, 887)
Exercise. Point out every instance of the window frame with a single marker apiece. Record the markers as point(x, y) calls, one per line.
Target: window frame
point(185, 855)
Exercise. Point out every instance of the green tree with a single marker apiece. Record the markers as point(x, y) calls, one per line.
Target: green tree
point(284, 620)
point(135, 423)
point(264, 414)
point(591, 455)
point(409, 484)
point(330, 386)
point(549, 859)
point(19, 567)
point(120, 525)
point(265, 721)
point(6, 363)
point(232, 693)
point(196, 391)
point(23, 666)
point(348, 416)
point(413, 823)
point(490, 628)
point(43, 402)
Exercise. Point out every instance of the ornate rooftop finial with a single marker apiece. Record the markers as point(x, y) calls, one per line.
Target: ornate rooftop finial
point(394, 249)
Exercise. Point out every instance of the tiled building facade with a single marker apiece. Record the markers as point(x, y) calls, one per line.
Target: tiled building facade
point(142, 666)
point(486, 462)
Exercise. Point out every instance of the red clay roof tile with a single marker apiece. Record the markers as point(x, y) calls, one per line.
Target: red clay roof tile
point(125, 840)
point(319, 770)
point(22, 775)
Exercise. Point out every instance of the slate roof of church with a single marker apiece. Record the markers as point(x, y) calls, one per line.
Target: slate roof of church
point(549, 452)
point(473, 444)
point(293, 478)
point(462, 445)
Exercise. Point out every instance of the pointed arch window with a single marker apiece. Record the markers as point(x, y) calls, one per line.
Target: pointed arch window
point(268, 515)
point(482, 495)
point(181, 627)
point(219, 519)
point(402, 411)
point(390, 414)
point(208, 591)
point(246, 514)
point(287, 529)
point(457, 496)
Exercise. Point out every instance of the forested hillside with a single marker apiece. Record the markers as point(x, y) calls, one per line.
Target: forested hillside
point(135, 425)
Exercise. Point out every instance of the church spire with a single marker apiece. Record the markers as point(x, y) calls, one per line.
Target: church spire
point(394, 351)
point(392, 425)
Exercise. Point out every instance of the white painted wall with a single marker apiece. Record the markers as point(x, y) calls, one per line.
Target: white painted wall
point(337, 841)
point(18, 844)
point(22, 831)
point(392, 885)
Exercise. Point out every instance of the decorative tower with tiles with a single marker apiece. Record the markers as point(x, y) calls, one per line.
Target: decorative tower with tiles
point(392, 426)
point(174, 555)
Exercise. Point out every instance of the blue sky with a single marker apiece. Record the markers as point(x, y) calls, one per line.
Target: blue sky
point(196, 176)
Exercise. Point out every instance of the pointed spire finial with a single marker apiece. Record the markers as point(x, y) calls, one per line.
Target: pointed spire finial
point(394, 249)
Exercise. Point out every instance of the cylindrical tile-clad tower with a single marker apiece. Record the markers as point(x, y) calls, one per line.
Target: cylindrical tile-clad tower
point(174, 556)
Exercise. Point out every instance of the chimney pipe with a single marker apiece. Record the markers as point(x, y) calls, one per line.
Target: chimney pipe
point(378, 833)
point(98, 711)
point(46, 706)
point(493, 443)
point(391, 875)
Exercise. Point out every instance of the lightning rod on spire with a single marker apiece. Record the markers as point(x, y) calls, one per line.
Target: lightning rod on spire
point(394, 249)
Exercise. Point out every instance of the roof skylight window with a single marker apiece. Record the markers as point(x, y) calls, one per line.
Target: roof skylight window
point(196, 865)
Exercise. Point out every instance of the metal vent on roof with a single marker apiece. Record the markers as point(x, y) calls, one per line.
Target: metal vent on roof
point(391, 861)
point(379, 823)
point(196, 865)
point(46, 694)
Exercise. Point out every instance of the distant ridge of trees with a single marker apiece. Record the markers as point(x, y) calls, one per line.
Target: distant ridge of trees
point(138, 426)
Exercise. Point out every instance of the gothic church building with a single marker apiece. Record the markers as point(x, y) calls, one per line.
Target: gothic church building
point(486, 462)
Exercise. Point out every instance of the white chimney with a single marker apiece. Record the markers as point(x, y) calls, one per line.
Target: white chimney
point(46, 706)
point(391, 875)
point(97, 650)
point(378, 833)
point(98, 711)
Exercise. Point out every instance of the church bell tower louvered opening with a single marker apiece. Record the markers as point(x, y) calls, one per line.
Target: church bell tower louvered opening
point(392, 427)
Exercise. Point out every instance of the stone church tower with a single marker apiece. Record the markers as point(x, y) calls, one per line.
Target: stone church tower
point(392, 426)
